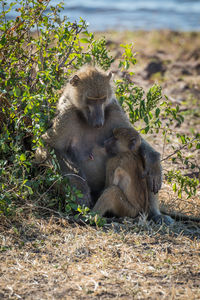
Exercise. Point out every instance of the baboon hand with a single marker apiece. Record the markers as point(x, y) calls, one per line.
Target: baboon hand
point(154, 177)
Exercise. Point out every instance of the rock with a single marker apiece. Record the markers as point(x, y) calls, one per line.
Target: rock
point(154, 67)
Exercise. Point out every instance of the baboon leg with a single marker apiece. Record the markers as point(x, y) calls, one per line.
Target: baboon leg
point(138, 200)
point(113, 200)
point(154, 211)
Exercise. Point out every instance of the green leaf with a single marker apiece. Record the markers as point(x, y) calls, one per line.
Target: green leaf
point(198, 146)
point(157, 112)
point(174, 187)
point(146, 119)
point(146, 129)
point(150, 115)
point(84, 40)
point(22, 157)
point(16, 91)
point(29, 190)
point(79, 209)
point(183, 140)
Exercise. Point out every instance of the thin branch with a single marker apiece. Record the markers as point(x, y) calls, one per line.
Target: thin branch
point(164, 144)
point(55, 183)
point(70, 219)
point(70, 62)
point(3, 99)
point(46, 191)
point(177, 150)
point(5, 20)
point(77, 31)
point(75, 175)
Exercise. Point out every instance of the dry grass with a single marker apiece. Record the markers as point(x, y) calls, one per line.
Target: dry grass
point(45, 257)
point(50, 259)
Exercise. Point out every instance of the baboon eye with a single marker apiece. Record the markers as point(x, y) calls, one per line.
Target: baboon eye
point(89, 101)
point(103, 99)
point(92, 100)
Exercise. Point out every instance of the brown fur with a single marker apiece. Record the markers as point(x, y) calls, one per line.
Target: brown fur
point(114, 200)
point(124, 170)
point(87, 115)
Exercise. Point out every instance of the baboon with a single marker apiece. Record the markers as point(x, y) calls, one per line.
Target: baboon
point(87, 115)
point(126, 192)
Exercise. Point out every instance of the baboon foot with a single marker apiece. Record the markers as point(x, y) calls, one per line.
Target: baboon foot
point(163, 219)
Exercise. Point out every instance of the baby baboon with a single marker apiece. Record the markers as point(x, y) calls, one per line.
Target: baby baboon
point(87, 115)
point(126, 191)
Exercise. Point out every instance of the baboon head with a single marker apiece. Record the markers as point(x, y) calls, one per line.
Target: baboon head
point(123, 140)
point(91, 91)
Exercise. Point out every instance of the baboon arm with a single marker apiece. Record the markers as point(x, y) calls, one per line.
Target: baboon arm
point(121, 178)
point(58, 136)
point(152, 166)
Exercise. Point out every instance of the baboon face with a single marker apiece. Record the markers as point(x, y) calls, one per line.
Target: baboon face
point(123, 140)
point(94, 111)
point(91, 92)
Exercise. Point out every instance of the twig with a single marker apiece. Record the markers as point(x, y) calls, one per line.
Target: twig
point(71, 174)
point(177, 150)
point(3, 7)
point(164, 144)
point(70, 62)
point(55, 183)
point(44, 208)
point(196, 174)
point(68, 218)
point(77, 31)
point(3, 99)
point(46, 191)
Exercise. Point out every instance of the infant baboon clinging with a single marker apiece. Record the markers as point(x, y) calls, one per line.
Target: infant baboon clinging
point(87, 115)
point(126, 192)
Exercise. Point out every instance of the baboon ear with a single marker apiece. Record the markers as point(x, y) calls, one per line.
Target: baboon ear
point(75, 80)
point(109, 76)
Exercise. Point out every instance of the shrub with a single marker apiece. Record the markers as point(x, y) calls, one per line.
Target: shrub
point(39, 51)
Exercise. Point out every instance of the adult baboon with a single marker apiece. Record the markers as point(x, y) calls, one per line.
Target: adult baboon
point(87, 115)
point(125, 170)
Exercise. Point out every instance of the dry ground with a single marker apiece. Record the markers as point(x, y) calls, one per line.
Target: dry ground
point(50, 259)
point(45, 257)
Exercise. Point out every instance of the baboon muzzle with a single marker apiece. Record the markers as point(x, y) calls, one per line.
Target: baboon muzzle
point(97, 116)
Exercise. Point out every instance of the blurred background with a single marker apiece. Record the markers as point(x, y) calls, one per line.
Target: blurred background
point(101, 15)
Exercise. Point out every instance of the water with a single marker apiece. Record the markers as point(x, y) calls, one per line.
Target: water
point(102, 15)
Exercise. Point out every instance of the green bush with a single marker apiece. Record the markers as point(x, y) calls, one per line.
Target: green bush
point(39, 51)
